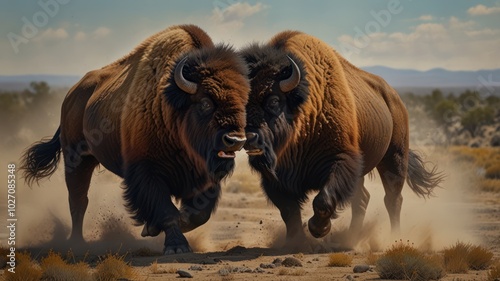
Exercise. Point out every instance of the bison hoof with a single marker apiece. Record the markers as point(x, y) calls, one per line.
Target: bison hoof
point(175, 242)
point(319, 227)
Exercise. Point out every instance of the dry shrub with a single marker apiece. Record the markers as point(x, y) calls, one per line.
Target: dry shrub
point(155, 269)
point(455, 258)
point(113, 267)
point(403, 261)
point(494, 273)
point(372, 258)
point(493, 171)
point(461, 257)
point(479, 258)
point(294, 272)
point(26, 269)
point(490, 185)
point(299, 256)
point(339, 260)
point(55, 268)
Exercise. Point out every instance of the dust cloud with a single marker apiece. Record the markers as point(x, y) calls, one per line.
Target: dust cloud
point(44, 220)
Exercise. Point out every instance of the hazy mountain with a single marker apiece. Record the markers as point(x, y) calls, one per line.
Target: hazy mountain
point(437, 77)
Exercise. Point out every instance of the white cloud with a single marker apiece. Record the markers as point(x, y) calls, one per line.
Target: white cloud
point(80, 36)
point(480, 10)
point(234, 14)
point(425, 18)
point(101, 32)
point(450, 44)
point(52, 34)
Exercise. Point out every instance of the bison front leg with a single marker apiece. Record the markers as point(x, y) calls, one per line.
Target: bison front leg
point(290, 211)
point(147, 197)
point(196, 211)
point(339, 187)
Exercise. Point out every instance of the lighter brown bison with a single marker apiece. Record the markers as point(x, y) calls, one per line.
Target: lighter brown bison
point(168, 118)
point(316, 122)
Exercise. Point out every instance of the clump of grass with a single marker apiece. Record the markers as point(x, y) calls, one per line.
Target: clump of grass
point(299, 256)
point(372, 258)
point(339, 260)
point(403, 261)
point(26, 269)
point(479, 258)
point(155, 269)
point(455, 258)
point(463, 256)
point(490, 185)
point(494, 273)
point(294, 272)
point(55, 268)
point(493, 171)
point(113, 267)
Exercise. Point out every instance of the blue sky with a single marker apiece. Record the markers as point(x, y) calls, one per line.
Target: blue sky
point(73, 37)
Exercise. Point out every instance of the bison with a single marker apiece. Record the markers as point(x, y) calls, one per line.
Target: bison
point(167, 118)
point(315, 122)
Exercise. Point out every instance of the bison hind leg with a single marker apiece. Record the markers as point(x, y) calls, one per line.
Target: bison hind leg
point(359, 203)
point(78, 175)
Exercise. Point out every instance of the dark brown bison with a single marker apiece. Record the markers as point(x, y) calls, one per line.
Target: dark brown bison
point(315, 122)
point(167, 118)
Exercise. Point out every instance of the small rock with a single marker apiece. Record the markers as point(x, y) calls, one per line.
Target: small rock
point(184, 274)
point(267, 265)
point(277, 260)
point(242, 269)
point(259, 270)
point(260, 222)
point(196, 268)
point(316, 259)
point(349, 277)
point(290, 261)
point(224, 272)
point(360, 268)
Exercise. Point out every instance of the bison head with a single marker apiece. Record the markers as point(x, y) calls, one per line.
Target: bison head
point(278, 89)
point(208, 91)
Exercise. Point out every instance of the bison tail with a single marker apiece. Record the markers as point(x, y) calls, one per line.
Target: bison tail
point(421, 180)
point(40, 160)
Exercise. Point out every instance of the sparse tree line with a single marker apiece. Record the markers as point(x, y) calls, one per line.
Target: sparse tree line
point(468, 118)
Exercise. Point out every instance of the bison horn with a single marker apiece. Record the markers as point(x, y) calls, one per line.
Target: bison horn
point(293, 81)
point(184, 84)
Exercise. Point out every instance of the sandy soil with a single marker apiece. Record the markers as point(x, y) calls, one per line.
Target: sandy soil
point(246, 231)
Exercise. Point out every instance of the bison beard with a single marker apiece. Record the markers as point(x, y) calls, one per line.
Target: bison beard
point(316, 122)
point(177, 108)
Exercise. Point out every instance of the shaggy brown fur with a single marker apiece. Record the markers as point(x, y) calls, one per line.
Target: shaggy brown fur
point(334, 127)
point(134, 119)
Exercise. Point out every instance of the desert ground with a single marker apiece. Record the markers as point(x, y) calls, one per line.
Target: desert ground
point(246, 233)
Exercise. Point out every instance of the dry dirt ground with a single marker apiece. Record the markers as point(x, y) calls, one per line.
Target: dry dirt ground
point(246, 231)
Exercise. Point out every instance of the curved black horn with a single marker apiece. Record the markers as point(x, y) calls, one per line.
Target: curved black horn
point(185, 85)
point(293, 81)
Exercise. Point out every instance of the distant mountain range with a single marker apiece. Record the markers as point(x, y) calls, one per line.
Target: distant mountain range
point(401, 79)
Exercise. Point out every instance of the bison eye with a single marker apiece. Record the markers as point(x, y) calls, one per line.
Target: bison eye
point(206, 106)
point(273, 105)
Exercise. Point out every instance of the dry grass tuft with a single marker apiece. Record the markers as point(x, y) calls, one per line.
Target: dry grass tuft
point(55, 268)
point(339, 260)
point(461, 257)
point(155, 269)
point(372, 258)
point(455, 258)
point(403, 261)
point(113, 267)
point(25, 269)
point(292, 272)
point(485, 160)
point(299, 256)
point(479, 258)
point(494, 273)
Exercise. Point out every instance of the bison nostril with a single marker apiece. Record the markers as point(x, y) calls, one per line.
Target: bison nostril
point(233, 141)
point(252, 137)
